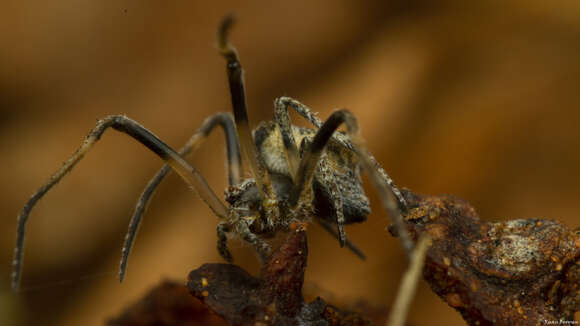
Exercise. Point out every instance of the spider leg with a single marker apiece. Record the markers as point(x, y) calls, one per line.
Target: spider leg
point(225, 121)
point(238, 96)
point(409, 283)
point(282, 118)
point(335, 196)
point(282, 103)
point(336, 199)
point(145, 137)
point(330, 229)
point(303, 189)
point(262, 247)
point(222, 229)
point(382, 177)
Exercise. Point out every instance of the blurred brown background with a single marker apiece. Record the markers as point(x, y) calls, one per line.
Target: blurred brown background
point(475, 99)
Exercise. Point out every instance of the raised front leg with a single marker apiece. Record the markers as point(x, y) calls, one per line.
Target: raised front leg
point(238, 96)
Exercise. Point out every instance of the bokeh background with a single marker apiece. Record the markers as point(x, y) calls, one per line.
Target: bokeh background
point(476, 99)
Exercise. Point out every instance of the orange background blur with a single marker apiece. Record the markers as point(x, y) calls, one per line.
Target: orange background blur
point(480, 100)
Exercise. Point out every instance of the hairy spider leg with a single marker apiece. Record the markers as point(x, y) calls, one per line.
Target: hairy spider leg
point(226, 122)
point(238, 96)
point(145, 137)
point(351, 246)
point(282, 118)
point(329, 179)
point(303, 188)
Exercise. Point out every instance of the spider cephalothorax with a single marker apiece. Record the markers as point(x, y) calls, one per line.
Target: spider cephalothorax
point(296, 174)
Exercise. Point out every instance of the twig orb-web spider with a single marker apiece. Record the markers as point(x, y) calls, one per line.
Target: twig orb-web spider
point(297, 174)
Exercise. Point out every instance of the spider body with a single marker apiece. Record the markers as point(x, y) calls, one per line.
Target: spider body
point(337, 175)
point(296, 174)
point(339, 164)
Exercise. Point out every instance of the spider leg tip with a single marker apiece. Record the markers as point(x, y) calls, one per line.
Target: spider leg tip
point(121, 275)
point(223, 30)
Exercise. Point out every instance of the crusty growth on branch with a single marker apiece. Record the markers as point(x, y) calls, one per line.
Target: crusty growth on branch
point(518, 272)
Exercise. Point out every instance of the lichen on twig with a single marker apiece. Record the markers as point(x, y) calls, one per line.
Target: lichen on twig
point(520, 272)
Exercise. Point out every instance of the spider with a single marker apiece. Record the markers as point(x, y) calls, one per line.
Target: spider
point(297, 174)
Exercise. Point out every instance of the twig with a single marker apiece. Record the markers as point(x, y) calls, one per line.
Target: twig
point(409, 283)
